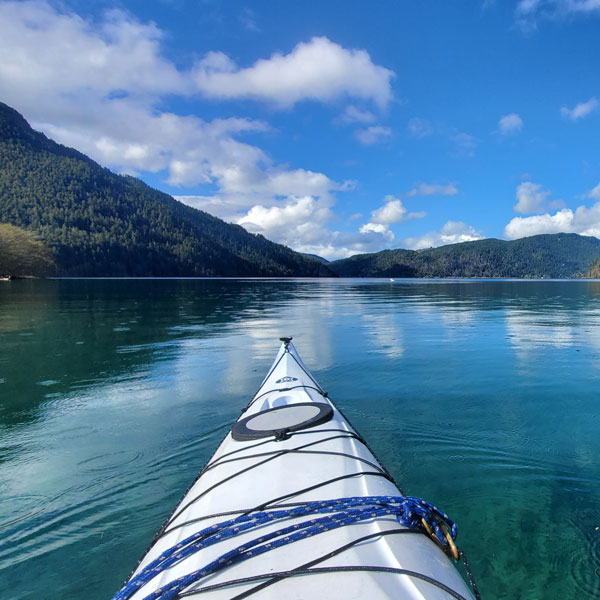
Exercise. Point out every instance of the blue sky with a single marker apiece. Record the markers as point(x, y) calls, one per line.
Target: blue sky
point(335, 127)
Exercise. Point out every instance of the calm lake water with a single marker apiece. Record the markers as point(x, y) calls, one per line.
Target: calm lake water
point(481, 396)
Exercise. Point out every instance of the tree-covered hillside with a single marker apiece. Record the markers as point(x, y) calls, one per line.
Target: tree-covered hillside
point(102, 224)
point(550, 256)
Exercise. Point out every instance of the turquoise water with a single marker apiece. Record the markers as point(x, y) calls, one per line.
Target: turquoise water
point(481, 396)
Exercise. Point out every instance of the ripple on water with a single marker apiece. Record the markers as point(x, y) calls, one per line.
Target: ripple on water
point(74, 432)
point(18, 508)
point(47, 524)
point(456, 458)
point(584, 567)
point(110, 460)
point(508, 438)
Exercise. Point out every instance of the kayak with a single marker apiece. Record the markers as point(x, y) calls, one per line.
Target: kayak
point(294, 504)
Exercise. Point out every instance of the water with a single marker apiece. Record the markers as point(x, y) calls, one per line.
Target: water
point(481, 396)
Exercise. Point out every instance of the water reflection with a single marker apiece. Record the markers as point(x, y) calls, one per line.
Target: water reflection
point(479, 395)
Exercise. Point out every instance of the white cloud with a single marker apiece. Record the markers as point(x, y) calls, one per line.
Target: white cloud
point(373, 135)
point(393, 211)
point(594, 194)
point(241, 189)
point(528, 12)
point(292, 215)
point(584, 221)
point(527, 7)
point(378, 228)
point(43, 50)
point(95, 85)
point(314, 238)
point(531, 197)
point(453, 232)
point(301, 223)
point(560, 222)
point(433, 189)
point(420, 128)
point(316, 70)
point(352, 114)
point(583, 109)
point(509, 124)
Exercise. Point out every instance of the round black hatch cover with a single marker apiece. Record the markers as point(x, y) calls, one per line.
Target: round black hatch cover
point(282, 419)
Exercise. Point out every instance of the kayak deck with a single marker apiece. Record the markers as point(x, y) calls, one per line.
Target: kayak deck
point(290, 448)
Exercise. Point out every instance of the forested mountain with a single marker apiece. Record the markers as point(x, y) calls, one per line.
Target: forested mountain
point(101, 224)
point(550, 256)
point(93, 222)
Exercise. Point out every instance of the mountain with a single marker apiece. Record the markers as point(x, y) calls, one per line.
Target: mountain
point(560, 255)
point(315, 257)
point(98, 223)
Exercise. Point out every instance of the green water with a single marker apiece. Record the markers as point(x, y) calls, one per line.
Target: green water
point(481, 396)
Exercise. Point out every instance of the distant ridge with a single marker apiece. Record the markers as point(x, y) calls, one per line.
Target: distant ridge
point(560, 255)
point(102, 224)
point(316, 257)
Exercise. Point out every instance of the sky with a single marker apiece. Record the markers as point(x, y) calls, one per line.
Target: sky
point(334, 127)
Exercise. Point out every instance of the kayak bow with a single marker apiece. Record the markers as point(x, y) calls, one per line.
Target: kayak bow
point(294, 504)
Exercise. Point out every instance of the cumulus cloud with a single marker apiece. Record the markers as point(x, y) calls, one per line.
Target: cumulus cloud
point(420, 128)
point(393, 211)
point(378, 228)
point(594, 194)
point(509, 124)
point(302, 224)
point(376, 234)
point(453, 232)
point(44, 50)
point(560, 222)
point(583, 109)
point(242, 189)
point(584, 221)
point(316, 70)
point(373, 135)
point(288, 217)
point(531, 197)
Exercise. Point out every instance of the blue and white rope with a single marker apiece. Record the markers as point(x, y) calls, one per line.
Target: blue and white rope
point(339, 512)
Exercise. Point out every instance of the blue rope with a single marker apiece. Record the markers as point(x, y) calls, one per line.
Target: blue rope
point(340, 512)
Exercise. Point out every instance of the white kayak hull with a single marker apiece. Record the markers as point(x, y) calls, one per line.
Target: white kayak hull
point(293, 446)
